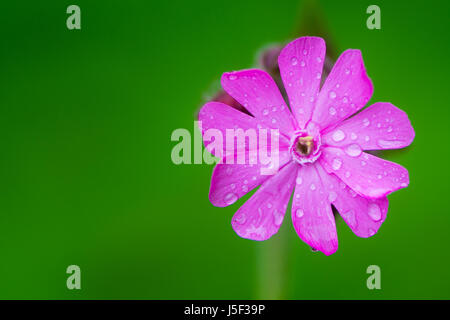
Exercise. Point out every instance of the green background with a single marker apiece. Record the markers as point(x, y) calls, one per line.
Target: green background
point(86, 176)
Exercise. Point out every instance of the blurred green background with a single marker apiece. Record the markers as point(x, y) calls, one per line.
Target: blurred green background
point(86, 176)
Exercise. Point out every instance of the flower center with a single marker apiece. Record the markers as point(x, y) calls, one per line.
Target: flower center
point(306, 144)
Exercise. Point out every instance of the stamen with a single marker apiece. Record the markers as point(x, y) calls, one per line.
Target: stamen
point(305, 145)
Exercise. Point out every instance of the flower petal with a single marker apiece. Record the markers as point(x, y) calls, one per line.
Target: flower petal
point(261, 216)
point(216, 116)
point(366, 174)
point(311, 212)
point(230, 182)
point(363, 216)
point(380, 126)
point(258, 93)
point(301, 64)
point(346, 90)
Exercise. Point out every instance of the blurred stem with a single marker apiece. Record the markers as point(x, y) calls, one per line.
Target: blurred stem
point(272, 276)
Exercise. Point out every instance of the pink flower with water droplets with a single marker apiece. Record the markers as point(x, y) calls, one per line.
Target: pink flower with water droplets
point(323, 144)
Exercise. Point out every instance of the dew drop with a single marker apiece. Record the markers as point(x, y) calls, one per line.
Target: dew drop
point(374, 212)
point(312, 186)
point(337, 163)
point(332, 94)
point(302, 63)
point(366, 122)
point(353, 150)
point(389, 144)
point(332, 111)
point(265, 112)
point(294, 61)
point(389, 129)
point(240, 218)
point(230, 198)
point(299, 213)
point(232, 77)
point(353, 136)
point(338, 135)
point(299, 180)
point(332, 196)
point(277, 217)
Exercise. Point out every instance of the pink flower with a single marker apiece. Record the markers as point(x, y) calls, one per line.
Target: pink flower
point(321, 145)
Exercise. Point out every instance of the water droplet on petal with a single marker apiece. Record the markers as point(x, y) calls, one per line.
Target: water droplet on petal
point(337, 163)
point(294, 61)
point(277, 217)
point(299, 213)
point(240, 218)
point(389, 129)
point(353, 150)
point(366, 122)
point(374, 212)
point(232, 77)
point(302, 63)
point(347, 174)
point(230, 198)
point(332, 196)
point(353, 136)
point(265, 112)
point(299, 180)
point(332, 111)
point(338, 135)
point(390, 144)
point(312, 186)
point(332, 94)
